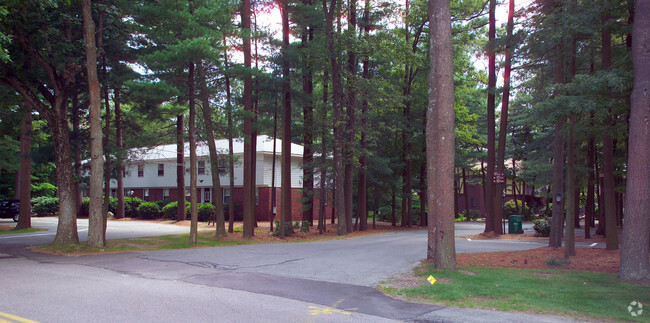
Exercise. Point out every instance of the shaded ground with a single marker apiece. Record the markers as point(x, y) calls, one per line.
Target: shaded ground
point(599, 260)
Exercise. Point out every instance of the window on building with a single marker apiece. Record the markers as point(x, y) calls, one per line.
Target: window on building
point(226, 195)
point(187, 195)
point(113, 193)
point(161, 169)
point(166, 194)
point(140, 170)
point(473, 203)
point(257, 196)
point(207, 195)
point(201, 170)
point(146, 195)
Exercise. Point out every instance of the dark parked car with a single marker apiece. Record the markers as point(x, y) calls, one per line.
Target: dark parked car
point(10, 209)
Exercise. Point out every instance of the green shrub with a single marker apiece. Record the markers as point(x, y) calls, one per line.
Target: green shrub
point(557, 262)
point(170, 210)
point(460, 217)
point(45, 205)
point(162, 203)
point(148, 210)
point(206, 211)
point(276, 228)
point(542, 227)
point(509, 208)
point(85, 203)
point(44, 190)
point(131, 206)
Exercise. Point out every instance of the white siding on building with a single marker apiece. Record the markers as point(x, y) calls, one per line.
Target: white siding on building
point(166, 155)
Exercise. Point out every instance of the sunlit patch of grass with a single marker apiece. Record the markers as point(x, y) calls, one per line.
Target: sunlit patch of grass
point(565, 292)
point(10, 230)
point(179, 241)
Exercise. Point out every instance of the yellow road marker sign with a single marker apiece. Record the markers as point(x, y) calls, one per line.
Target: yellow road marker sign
point(431, 279)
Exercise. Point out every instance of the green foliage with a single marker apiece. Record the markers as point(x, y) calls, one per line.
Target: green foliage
point(206, 211)
point(148, 210)
point(45, 205)
point(276, 228)
point(510, 209)
point(472, 215)
point(304, 227)
point(557, 262)
point(170, 210)
point(112, 206)
point(542, 227)
point(161, 203)
point(43, 189)
point(131, 205)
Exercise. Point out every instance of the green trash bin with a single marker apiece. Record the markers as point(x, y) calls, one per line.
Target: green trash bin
point(515, 224)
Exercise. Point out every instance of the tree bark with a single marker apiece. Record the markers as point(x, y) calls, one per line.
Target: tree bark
point(363, 156)
point(337, 89)
point(635, 263)
point(569, 246)
point(249, 216)
point(194, 214)
point(492, 222)
point(96, 237)
point(350, 112)
point(503, 125)
point(231, 158)
point(119, 212)
point(440, 139)
point(107, 120)
point(286, 127)
point(308, 133)
point(25, 180)
point(555, 238)
point(217, 195)
point(180, 166)
point(611, 232)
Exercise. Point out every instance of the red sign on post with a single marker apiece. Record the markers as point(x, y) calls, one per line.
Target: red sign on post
point(499, 177)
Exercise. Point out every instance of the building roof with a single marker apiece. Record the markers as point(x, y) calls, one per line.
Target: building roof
point(168, 152)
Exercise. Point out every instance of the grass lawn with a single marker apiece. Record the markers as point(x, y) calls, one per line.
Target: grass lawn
point(10, 230)
point(580, 294)
point(180, 241)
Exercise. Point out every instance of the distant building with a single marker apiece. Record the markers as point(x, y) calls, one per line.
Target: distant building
point(151, 175)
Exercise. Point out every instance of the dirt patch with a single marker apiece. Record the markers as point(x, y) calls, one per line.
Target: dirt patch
point(529, 237)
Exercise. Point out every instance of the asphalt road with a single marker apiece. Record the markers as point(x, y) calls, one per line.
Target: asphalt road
point(326, 281)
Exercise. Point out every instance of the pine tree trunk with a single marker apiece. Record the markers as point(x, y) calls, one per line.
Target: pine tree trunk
point(611, 232)
point(231, 158)
point(107, 119)
point(217, 195)
point(194, 211)
point(95, 217)
point(440, 139)
point(119, 212)
point(286, 127)
point(76, 148)
point(363, 158)
point(350, 112)
point(339, 141)
point(308, 134)
point(25, 180)
point(492, 222)
point(635, 263)
point(322, 217)
point(180, 166)
point(249, 216)
point(569, 246)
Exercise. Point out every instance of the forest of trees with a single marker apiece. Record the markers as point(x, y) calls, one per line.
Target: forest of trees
point(387, 98)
